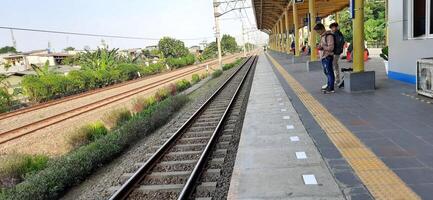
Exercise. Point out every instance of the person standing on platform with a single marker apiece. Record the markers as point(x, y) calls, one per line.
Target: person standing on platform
point(326, 48)
point(338, 50)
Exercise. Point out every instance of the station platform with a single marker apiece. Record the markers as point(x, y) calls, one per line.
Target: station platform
point(374, 145)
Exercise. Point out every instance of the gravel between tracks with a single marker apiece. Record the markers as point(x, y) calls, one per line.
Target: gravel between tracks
point(37, 142)
point(98, 185)
point(223, 182)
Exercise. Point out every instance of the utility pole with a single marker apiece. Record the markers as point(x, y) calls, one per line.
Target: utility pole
point(14, 42)
point(217, 32)
point(243, 34)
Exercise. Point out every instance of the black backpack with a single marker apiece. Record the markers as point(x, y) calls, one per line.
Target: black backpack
point(338, 43)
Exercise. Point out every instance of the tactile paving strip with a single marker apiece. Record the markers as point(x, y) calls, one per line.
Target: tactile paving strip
point(381, 181)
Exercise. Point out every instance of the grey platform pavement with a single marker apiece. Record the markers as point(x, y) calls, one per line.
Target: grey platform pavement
point(276, 158)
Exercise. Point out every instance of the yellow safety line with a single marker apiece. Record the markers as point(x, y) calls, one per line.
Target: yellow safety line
point(381, 181)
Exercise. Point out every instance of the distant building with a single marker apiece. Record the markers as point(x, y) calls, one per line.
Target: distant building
point(150, 48)
point(195, 49)
point(131, 52)
point(22, 61)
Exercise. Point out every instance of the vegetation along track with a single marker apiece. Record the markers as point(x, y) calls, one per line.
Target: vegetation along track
point(18, 132)
point(69, 98)
point(174, 169)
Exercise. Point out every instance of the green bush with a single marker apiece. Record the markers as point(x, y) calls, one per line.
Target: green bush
point(195, 79)
point(71, 169)
point(217, 73)
point(87, 133)
point(153, 69)
point(233, 64)
point(228, 66)
point(17, 166)
point(181, 61)
point(5, 100)
point(117, 117)
point(182, 85)
point(129, 71)
point(162, 94)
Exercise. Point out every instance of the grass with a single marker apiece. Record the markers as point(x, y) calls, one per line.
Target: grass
point(87, 133)
point(15, 167)
point(195, 79)
point(217, 73)
point(182, 85)
point(117, 117)
point(69, 170)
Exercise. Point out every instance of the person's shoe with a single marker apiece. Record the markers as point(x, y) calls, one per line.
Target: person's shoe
point(328, 91)
point(324, 87)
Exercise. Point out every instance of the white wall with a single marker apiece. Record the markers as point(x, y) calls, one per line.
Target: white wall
point(403, 52)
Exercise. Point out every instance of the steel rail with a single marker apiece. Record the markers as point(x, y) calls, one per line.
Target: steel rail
point(141, 173)
point(82, 109)
point(198, 168)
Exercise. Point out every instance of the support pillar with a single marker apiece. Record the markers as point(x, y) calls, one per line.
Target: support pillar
point(358, 37)
point(313, 34)
point(359, 80)
point(286, 17)
point(281, 35)
point(296, 32)
point(277, 35)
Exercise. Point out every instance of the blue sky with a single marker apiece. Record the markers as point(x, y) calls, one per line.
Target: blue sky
point(141, 18)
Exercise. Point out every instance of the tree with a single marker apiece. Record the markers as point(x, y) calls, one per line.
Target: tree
point(172, 48)
point(69, 49)
point(6, 98)
point(374, 23)
point(8, 49)
point(228, 44)
point(210, 51)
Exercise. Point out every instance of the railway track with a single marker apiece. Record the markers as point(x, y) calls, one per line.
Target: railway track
point(81, 95)
point(173, 171)
point(29, 128)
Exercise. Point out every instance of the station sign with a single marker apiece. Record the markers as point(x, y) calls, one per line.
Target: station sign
point(352, 9)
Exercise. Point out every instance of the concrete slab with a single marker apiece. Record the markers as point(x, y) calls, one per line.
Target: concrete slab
point(359, 81)
point(273, 138)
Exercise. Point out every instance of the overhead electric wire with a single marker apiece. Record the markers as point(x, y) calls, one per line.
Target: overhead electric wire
point(92, 34)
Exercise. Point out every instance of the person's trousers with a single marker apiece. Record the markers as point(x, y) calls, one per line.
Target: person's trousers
point(336, 68)
point(329, 71)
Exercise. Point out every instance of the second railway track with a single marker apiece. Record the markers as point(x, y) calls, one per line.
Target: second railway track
point(26, 129)
point(173, 171)
point(69, 98)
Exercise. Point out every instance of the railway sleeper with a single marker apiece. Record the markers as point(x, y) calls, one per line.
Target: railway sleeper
point(193, 140)
point(225, 138)
point(219, 108)
point(207, 123)
point(198, 134)
point(208, 119)
point(210, 116)
point(178, 177)
point(170, 191)
point(182, 155)
point(194, 128)
point(229, 126)
point(189, 147)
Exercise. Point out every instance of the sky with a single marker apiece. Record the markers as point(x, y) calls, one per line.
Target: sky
point(182, 19)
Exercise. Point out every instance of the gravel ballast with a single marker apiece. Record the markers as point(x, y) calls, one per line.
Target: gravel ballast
point(99, 185)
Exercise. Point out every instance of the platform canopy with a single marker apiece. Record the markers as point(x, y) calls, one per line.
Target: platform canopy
point(268, 12)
